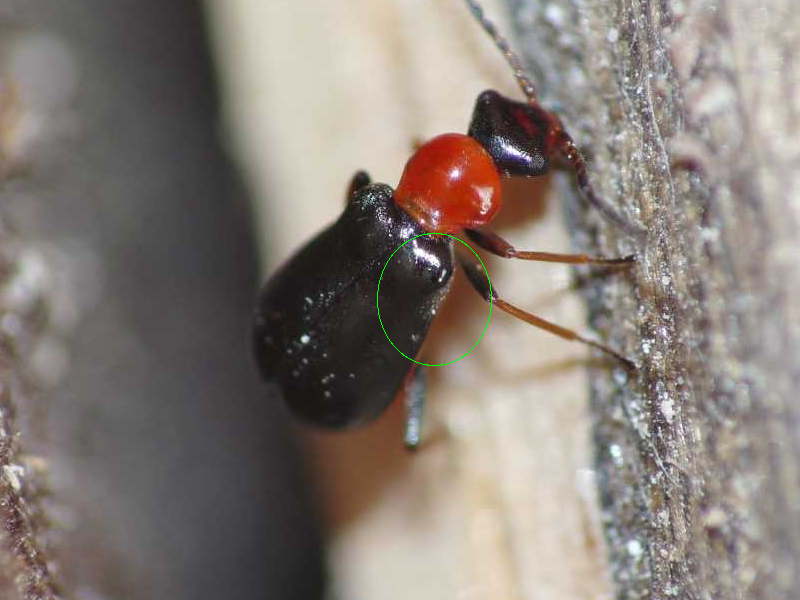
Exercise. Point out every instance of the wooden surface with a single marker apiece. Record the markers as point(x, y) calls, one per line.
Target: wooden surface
point(690, 110)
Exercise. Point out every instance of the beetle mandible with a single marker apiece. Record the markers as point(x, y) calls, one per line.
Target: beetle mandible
point(316, 333)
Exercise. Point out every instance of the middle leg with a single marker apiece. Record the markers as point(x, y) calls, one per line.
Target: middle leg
point(477, 278)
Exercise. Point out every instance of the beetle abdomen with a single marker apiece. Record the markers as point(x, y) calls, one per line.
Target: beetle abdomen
point(316, 332)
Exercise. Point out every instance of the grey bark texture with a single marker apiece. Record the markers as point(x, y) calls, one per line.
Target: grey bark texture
point(29, 327)
point(690, 114)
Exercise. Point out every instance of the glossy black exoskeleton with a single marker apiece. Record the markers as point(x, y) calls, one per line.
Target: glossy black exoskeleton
point(316, 329)
point(515, 131)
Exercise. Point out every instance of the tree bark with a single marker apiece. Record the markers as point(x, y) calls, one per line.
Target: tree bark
point(691, 114)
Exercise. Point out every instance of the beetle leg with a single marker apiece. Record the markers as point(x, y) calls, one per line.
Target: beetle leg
point(359, 180)
point(477, 277)
point(496, 245)
point(415, 406)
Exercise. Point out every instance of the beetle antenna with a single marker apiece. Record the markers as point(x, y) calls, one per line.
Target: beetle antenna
point(525, 83)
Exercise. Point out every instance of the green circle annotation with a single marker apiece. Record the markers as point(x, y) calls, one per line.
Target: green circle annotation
point(488, 318)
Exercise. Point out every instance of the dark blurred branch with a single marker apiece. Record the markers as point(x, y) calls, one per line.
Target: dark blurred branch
point(692, 120)
point(126, 290)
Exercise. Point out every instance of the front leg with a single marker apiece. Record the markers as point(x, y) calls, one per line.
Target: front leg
point(496, 245)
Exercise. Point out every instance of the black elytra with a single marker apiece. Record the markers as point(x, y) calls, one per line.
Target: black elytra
point(317, 334)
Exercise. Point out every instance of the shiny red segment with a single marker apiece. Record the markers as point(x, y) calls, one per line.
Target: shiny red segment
point(449, 184)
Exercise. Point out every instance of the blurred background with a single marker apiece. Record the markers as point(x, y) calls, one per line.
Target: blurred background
point(172, 476)
point(159, 160)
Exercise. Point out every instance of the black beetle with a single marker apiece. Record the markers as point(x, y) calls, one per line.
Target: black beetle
point(316, 333)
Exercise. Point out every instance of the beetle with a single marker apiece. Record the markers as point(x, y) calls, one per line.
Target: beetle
point(316, 334)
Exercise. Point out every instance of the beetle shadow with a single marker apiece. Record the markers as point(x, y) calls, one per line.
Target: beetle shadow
point(351, 469)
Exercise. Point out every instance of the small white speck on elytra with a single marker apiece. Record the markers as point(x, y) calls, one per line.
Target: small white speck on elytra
point(305, 338)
